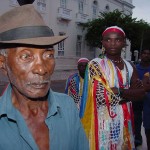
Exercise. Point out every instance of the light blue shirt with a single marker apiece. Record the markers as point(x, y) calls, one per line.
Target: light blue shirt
point(65, 129)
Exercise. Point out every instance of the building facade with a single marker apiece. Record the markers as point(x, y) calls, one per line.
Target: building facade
point(65, 18)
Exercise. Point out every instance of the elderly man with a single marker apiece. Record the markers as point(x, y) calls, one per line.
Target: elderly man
point(32, 116)
point(74, 84)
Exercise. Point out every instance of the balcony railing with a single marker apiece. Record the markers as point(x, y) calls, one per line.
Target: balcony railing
point(64, 13)
point(81, 18)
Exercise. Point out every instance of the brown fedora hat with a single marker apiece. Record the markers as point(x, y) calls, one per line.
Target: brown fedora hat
point(25, 25)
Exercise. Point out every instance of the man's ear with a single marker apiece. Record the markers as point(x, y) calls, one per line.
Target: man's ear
point(2, 64)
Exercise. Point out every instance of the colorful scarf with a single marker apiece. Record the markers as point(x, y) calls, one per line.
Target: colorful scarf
point(107, 124)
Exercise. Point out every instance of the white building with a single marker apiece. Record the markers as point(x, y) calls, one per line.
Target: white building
point(64, 17)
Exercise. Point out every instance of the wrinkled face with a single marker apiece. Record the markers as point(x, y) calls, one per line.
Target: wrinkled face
point(82, 68)
point(113, 43)
point(29, 70)
point(145, 56)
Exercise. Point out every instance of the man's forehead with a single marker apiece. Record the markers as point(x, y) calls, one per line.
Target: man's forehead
point(113, 35)
point(115, 29)
point(82, 63)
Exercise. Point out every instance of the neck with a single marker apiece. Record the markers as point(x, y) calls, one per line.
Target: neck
point(81, 75)
point(115, 59)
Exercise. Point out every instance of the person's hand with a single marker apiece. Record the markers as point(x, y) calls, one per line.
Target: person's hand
point(115, 90)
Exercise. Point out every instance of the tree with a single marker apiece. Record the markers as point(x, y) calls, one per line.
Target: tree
point(135, 30)
point(146, 39)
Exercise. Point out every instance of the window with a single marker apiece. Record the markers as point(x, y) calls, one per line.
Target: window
point(41, 5)
point(61, 46)
point(95, 8)
point(107, 8)
point(78, 45)
point(63, 3)
point(61, 49)
point(81, 7)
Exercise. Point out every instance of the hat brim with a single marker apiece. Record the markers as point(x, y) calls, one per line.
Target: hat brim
point(38, 41)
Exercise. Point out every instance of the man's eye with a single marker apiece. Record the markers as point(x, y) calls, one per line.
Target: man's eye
point(50, 55)
point(25, 56)
point(107, 40)
point(118, 40)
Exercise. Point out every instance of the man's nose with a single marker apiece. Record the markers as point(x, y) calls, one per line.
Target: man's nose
point(40, 67)
point(113, 42)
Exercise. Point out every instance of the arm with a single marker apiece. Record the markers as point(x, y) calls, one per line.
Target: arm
point(136, 90)
point(146, 82)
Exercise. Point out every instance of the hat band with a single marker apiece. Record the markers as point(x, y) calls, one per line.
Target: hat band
point(26, 32)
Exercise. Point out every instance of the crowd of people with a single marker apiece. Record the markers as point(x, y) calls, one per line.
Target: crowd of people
point(114, 94)
point(104, 103)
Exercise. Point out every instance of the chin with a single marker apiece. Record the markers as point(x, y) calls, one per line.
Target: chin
point(38, 97)
point(37, 94)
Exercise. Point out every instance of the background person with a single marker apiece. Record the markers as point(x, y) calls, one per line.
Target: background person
point(142, 68)
point(110, 83)
point(32, 116)
point(146, 108)
point(74, 84)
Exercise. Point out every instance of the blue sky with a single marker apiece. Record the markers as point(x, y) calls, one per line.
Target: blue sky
point(141, 10)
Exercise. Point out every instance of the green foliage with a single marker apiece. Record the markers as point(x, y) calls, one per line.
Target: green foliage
point(135, 30)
